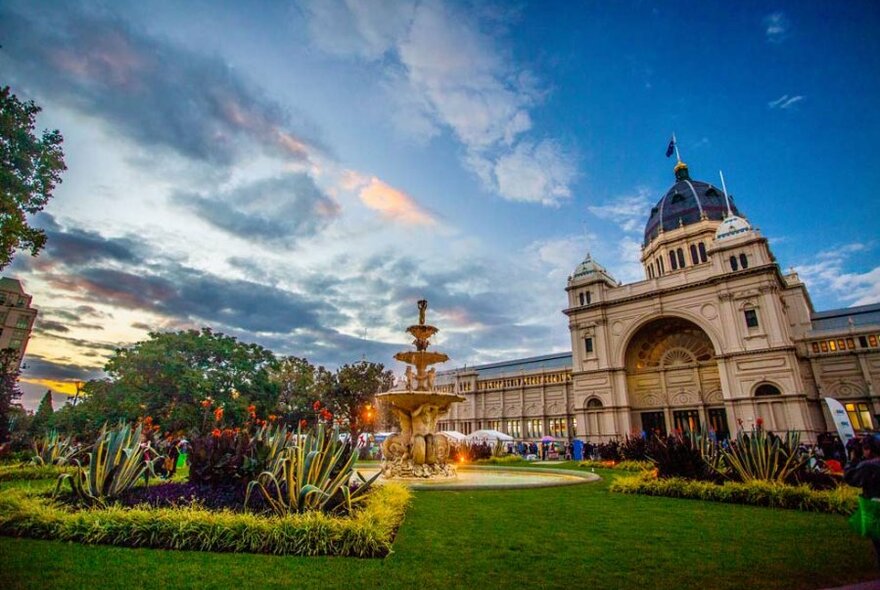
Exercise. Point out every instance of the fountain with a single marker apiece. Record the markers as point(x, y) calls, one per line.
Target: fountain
point(417, 451)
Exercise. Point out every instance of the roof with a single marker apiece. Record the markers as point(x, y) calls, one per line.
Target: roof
point(839, 319)
point(14, 285)
point(534, 363)
point(686, 202)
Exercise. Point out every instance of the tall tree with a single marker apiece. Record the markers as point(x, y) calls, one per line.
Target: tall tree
point(300, 385)
point(30, 167)
point(43, 418)
point(353, 390)
point(9, 391)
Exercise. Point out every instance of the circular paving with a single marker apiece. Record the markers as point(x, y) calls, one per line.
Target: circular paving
point(491, 477)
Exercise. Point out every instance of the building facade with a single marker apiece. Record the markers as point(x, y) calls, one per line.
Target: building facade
point(716, 336)
point(16, 317)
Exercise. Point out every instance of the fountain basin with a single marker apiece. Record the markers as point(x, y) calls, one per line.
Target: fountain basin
point(492, 477)
point(413, 400)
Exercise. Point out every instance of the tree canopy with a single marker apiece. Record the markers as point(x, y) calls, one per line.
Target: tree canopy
point(30, 168)
point(9, 391)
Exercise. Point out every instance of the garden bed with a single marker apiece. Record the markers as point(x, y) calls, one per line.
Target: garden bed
point(368, 532)
point(841, 500)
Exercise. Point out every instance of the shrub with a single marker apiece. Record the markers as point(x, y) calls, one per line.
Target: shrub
point(760, 455)
point(634, 448)
point(115, 465)
point(619, 466)
point(312, 475)
point(842, 500)
point(503, 460)
point(677, 455)
point(609, 451)
point(53, 449)
point(368, 532)
point(220, 457)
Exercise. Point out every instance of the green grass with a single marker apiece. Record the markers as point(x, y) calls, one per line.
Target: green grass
point(567, 537)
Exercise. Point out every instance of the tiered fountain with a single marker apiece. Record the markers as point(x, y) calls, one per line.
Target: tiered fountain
point(417, 451)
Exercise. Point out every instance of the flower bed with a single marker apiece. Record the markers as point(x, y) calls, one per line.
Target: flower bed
point(368, 532)
point(842, 500)
point(619, 465)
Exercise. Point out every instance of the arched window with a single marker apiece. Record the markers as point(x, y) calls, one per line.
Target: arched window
point(766, 389)
point(673, 263)
point(662, 265)
point(743, 261)
point(589, 297)
point(581, 298)
point(680, 258)
point(694, 258)
point(650, 271)
point(594, 404)
point(733, 265)
point(703, 257)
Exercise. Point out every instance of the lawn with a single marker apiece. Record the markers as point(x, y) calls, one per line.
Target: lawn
point(567, 537)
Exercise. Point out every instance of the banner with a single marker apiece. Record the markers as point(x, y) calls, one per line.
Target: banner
point(841, 420)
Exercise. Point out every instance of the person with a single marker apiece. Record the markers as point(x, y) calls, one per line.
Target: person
point(863, 471)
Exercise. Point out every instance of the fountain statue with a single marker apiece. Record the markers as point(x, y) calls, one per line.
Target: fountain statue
point(417, 451)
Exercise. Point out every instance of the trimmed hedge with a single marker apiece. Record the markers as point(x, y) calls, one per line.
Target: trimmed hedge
point(31, 472)
point(619, 466)
point(842, 500)
point(503, 460)
point(368, 532)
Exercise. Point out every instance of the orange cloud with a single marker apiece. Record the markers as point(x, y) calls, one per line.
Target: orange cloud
point(394, 204)
point(65, 387)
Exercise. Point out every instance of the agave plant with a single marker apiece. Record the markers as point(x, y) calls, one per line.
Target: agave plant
point(312, 473)
point(115, 465)
point(53, 449)
point(760, 455)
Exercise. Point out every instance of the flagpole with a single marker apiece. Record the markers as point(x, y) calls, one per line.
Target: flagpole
point(675, 145)
point(724, 188)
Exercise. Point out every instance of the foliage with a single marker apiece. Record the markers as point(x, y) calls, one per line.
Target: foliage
point(634, 448)
point(618, 466)
point(54, 449)
point(502, 460)
point(299, 384)
point(312, 475)
point(350, 394)
point(841, 500)
point(9, 391)
point(221, 457)
point(677, 455)
point(760, 455)
point(32, 472)
point(366, 533)
point(29, 170)
point(115, 465)
point(42, 420)
point(609, 451)
point(470, 451)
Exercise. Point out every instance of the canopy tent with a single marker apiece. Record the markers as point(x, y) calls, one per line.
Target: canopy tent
point(453, 436)
point(489, 436)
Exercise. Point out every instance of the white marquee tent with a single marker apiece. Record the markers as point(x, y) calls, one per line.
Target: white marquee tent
point(491, 436)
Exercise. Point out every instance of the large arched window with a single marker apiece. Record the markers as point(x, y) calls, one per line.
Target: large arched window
point(668, 343)
point(594, 404)
point(766, 389)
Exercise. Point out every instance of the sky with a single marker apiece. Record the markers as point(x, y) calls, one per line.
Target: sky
point(299, 174)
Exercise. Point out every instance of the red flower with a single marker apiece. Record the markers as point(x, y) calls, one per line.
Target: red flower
point(252, 408)
point(218, 414)
point(317, 405)
point(206, 403)
point(215, 433)
point(272, 417)
point(326, 415)
point(759, 422)
point(303, 423)
point(228, 432)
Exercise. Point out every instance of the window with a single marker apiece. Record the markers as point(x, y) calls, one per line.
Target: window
point(581, 298)
point(650, 271)
point(680, 258)
point(495, 425)
point(558, 428)
point(743, 261)
point(2, 317)
point(718, 423)
point(733, 265)
point(15, 343)
point(872, 340)
point(662, 267)
point(574, 426)
point(589, 297)
point(588, 345)
point(824, 346)
point(703, 257)
point(22, 322)
point(766, 389)
point(751, 318)
point(594, 404)
point(860, 416)
point(863, 342)
point(686, 420)
point(513, 428)
point(850, 344)
point(535, 428)
point(677, 198)
point(673, 263)
point(694, 259)
point(815, 346)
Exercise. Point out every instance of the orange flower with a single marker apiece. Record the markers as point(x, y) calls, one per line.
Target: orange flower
point(303, 423)
point(215, 433)
point(272, 417)
point(317, 405)
point(206, 403)
point(252, 408)
point(228, 432)
point(218, 414)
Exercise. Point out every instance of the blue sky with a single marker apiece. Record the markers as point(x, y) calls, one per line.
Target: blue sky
point(298, 174)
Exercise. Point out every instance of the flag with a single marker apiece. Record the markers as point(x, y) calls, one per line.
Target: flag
point(671, 147)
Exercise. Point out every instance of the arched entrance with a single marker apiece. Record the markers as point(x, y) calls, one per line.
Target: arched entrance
point(672, 378)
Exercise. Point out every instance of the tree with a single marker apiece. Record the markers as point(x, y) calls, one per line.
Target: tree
point(9, 391)
point(300, 385)
point(352, 393)
point(43, 418)
point(29, 170)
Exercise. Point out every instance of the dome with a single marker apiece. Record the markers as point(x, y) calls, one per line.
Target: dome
point(588, 267)
point(732, 226)
point(687, 202)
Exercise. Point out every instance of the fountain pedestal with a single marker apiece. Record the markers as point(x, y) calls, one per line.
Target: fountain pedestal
point(417, 451)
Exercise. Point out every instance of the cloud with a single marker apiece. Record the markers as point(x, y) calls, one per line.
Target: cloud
point(628, 212)
point(785, 102)
point(155, 93)
point(275, 210)
point(394, 204)
point(827, 275)
point(80, 247)
point(446, 72)
point(776, 27)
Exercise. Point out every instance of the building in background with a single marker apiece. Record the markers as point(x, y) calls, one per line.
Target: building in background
point(16, 316)
point(715, 337)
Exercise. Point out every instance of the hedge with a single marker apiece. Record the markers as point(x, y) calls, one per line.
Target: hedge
point(368, 532)
point(618, 466)
point(842, 500)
